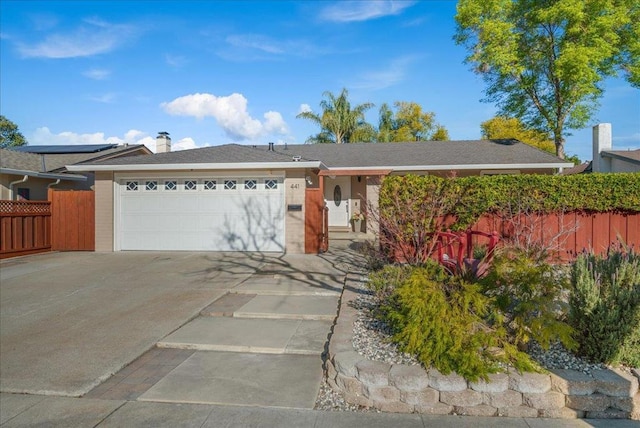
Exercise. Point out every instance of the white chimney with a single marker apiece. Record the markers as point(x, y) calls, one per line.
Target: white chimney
point(163, 142)
point(601, 142)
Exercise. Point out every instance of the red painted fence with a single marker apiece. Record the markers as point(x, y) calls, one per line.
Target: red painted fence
point(25, 227)
point(574, 231)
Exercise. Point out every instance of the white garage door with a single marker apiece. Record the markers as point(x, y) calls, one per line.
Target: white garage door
point(202, 214)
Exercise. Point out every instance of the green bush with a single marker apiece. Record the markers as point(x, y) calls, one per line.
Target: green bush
point(443, 321)
point(529, 292)
point(467, 198)
point(384, 282)
point(605, 307)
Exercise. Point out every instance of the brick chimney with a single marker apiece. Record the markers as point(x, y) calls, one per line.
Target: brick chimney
point(163, 142)
point(601, 142)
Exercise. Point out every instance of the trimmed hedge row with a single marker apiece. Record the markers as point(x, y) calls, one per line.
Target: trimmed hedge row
point(474, 196)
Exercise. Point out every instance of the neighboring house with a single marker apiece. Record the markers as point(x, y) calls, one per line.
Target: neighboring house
point(253, 198)
point(27, 172)
point(605, 159)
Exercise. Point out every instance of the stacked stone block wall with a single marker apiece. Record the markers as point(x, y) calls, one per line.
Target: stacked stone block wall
point(406, 389)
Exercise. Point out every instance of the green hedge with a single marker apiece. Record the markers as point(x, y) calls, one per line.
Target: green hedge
point(477, 195)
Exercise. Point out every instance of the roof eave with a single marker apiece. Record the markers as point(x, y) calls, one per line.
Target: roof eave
point(399, 168)
point(198, 166)
point(69, 177)
point(620, 157)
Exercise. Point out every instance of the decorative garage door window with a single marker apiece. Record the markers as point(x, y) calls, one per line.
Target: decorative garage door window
point(151, 185)
point(250, 184)
point(190, 185)
point(229, 184)
point(337, 195)
point(170, 185)
point(210, 185)
point(132, 186)
point(271, 184)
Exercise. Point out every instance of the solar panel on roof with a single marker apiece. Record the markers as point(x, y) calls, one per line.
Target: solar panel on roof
point(65, 149)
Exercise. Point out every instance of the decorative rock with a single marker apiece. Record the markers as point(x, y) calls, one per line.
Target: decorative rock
point(464, 398)
point(508, 398)
point(593, 402)
point(531, 383)
point(481, 410)
point(426, 397)
point(333, 385)
point(358, 400)
point(340, 343)
point(393, 407)
point(608, 414)
point(572, 382)
point(518, 412)
point(446, 383)
point(331, 370)
point(408, 378)
point(345, 363)
point(636, 373)
point(563, 413)
point(498, 382)
point(379, 394)
point(373, 373)
point(436, 409)
point(548, 400)
point(616, 383)
point(628, 404)
point(350, 385)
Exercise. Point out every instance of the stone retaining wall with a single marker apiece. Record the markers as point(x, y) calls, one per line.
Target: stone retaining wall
point(406, 389)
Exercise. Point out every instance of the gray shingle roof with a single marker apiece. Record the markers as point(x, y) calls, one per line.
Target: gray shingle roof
point(360, 155)
point(25, 161)
point(632, 156)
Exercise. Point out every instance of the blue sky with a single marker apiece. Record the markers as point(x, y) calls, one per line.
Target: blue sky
point(214, 72)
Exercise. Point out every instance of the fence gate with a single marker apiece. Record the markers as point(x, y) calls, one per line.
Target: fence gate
point(72, 220)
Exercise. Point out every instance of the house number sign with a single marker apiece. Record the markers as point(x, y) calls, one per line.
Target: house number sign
point(337, 195)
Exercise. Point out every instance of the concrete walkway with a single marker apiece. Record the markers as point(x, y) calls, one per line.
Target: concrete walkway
point(33, 410)
point(259, 345)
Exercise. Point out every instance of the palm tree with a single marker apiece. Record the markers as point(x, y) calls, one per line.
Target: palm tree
point(338, 122)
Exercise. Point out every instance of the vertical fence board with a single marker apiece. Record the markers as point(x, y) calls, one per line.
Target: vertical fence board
point(600, 234)
point(23, 227)
point(617, 226)
point(633, 231)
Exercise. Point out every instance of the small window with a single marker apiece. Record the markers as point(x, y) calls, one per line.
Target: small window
point(151, 185)
point(210, 185)
point(132, 186)
point(170, 185)
point(190, 185)
point(250, 184)
point(23, 194)
point(271, 184)
point(229, 184)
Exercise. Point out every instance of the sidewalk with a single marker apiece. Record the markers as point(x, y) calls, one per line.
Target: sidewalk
point(32, 410)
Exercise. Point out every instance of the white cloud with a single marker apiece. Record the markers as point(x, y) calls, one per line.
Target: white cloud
point(304, 108)
point(97, 74)
point(105, 98)
point(255, 41)
point(44, 136)
point(229, 112)
point(176, 61)
point(258, 46)
point(92, 38)
point(353, 11)
point(379, 79)
point(628, 139)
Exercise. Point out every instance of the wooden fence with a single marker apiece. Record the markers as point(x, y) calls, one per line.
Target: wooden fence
point(25, 227)
point(72, 220)
point(573, 232)
point(316, 222)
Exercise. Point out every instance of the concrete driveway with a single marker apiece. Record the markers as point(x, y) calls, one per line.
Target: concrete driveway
point(68, 321)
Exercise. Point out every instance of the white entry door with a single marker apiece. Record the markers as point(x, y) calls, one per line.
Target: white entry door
point(337, 193)
point(201, 214)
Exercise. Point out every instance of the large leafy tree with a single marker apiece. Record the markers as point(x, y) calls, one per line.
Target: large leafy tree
point(544, 61)
point(340, 122)
point(10, 136)
point(501, 127)
point(408, 123)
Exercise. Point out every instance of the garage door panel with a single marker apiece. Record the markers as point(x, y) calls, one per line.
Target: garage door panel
point(203, 220)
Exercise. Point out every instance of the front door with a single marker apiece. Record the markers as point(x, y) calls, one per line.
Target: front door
point(337, 192)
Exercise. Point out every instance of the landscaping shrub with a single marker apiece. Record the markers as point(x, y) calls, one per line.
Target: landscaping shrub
point(529, 292)
point(443, 321)
point(384, 281)
point(605, 306)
